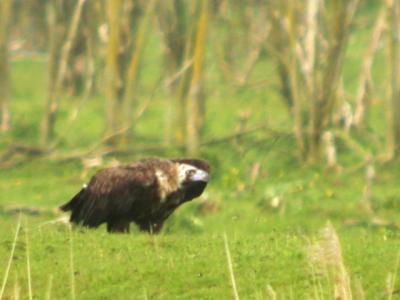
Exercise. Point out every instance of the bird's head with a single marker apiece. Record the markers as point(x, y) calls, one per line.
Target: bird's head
point(193, 176)
point(188, 175)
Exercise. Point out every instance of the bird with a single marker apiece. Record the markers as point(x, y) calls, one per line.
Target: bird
point(145, 192)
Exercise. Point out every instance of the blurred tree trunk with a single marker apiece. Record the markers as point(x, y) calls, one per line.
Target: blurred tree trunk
point(5, 92)
point(309, 43)
point(184, 26)
point(29, 25)
point(132, 73)
point(56, 35)
point(172, 17)
point(338, 28)
point(395, 59)
point(365, 90)
point(174, 25)
point(60, 44)
point(129, 22)
point(112, 76)
point(195, 99)
point(239, 49)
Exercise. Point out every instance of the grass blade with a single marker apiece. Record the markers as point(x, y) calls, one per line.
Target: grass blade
point(11, 258)
point(48, 297)
point(28, 262)
point(394, 277)
point(228, 255)
point(72, 264)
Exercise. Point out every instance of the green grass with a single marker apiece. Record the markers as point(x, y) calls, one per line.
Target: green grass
point(268, 246)
point(179, 265)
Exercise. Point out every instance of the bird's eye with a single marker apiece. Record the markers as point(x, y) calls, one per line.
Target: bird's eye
point(190, 172)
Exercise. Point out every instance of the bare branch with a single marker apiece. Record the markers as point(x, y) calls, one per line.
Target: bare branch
point(365, 83)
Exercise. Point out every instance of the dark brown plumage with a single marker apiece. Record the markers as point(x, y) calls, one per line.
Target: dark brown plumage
point(146, 193)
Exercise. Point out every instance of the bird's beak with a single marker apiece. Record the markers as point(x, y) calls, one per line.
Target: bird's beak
point(200, 175)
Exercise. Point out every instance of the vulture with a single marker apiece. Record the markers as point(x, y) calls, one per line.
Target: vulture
point(146, 192)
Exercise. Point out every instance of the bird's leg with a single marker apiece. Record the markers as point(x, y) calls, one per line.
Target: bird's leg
point(119, 226)
point(152, 227)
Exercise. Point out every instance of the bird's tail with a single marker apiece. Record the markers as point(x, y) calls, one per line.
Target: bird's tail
point(75, 205)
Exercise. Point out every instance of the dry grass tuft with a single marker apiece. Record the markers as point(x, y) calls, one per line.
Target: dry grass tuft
point(325, 256)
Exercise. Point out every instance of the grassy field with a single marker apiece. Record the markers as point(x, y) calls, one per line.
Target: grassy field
point(293, 232)
point(269, 249)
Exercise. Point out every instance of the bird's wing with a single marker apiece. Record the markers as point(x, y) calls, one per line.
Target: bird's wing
point(143, 185)
point(120, 187)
